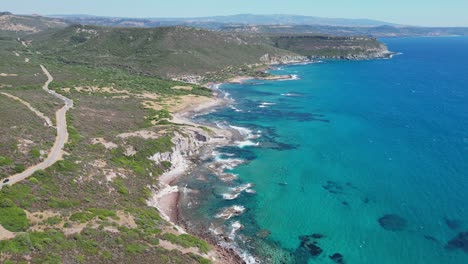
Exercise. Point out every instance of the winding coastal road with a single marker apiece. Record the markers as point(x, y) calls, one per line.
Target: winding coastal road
point(56, 152)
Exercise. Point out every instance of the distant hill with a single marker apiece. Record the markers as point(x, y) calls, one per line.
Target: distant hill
point(28, 24)
point(175, 51)
point(157, 51)
point(216, 21)
point(275, 24)
point(380, 31)
point(334, 47)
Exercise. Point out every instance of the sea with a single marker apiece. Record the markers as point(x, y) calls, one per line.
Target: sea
point(350, 162)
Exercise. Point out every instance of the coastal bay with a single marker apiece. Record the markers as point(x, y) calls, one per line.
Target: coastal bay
point(327, 160)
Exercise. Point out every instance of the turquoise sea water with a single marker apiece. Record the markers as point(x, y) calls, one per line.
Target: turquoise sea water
point(340, 148)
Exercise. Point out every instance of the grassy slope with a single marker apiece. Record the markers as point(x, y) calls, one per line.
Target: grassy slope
point(76, 191)
point(327, 46)
point(156, 51)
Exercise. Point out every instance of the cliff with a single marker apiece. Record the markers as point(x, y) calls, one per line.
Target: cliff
point(332, 47)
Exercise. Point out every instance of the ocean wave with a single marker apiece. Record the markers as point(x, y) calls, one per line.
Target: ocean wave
point(235, 226)
point(219, 166)
point(294, 77)
point(215, 86)
point(251, 191)
point(291, 94)
point(242, 130)
point(265, 104)
point(230, 196)
point(229, 212)
point(237, 191)
point(226, 164)
point(235, 108)
point(248, 136)
point(246, 143)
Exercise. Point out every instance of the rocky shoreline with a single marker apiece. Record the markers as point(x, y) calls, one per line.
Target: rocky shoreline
point(197, 137)
point(188, 145)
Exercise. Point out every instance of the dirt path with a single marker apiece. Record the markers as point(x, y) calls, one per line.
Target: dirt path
point(55, 153)
point(37, 112)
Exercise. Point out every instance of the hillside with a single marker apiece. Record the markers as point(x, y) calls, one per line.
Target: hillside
point(158, 51)
point(317, 46)
point(28, 24)
point(93, 205)
point(378, 31)
point(176, 51)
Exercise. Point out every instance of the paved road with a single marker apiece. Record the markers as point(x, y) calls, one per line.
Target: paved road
point(55, 153)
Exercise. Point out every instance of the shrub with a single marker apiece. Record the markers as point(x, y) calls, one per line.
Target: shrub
point(53, 220)
point(186, 241)
point(135, 248)
point(19, 168)
point(13, 218)
point(35, 153)
point(4, 161)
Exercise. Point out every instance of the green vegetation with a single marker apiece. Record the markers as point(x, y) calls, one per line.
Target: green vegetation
point(53, 220)
point(135, 248)
point(91, 213)
point(140, 163)
point(162, 51)
point(63, 203)
point(4, 161)
point(19, 124)
point(187, 241)
point(19, 194)
point(148, 220)
point(12, 217)
point(329, 46)
point(121, 79)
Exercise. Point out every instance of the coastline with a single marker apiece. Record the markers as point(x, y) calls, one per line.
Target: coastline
point(242, 79)
point(165, 196)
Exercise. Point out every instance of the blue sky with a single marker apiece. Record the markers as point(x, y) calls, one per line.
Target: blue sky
point(410, 12)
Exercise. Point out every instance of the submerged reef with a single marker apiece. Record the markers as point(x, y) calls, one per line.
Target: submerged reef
point(392, 222)
point(459, 242)
point(453, 223)
point(337, 258)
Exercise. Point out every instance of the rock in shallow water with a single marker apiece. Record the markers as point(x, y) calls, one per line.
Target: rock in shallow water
point(263, 233)
point(459, 242)
point(337, 258)
point(452, 223)
point(313, 249)
point(309, 243)
point(392, 222)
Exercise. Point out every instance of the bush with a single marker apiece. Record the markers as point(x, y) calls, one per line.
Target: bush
point(13, 218)
point(53, 220)
point(35, 153)
point(187, 241)
point(4, 203)
point(81, 217)
point(92, 213)
point(20, 244)
point(57, 203)
point(135, 248)
point(19, 168)
point(4, 161)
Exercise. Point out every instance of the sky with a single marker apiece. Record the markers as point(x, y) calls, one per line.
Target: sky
point(407, 12)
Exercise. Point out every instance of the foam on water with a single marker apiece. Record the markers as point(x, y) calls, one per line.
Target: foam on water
point(232, 211)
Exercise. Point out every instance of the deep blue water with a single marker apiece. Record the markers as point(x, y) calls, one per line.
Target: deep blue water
point(346, 144)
